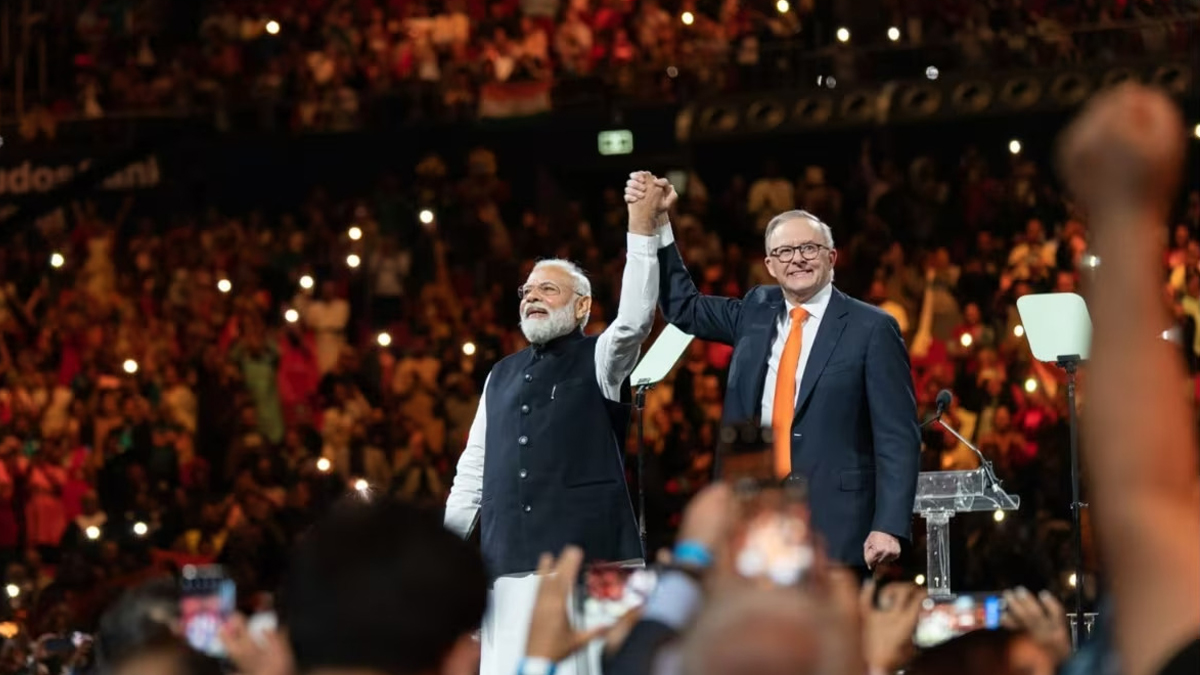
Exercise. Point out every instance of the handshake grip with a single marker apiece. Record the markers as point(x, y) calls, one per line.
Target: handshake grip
point(648, 199)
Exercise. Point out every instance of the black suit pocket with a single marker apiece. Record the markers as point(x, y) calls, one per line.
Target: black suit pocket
point(856, 480)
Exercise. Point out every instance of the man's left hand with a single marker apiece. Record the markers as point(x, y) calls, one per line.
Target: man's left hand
point(879, 548)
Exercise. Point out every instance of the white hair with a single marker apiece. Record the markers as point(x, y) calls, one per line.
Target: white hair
point(796, 214)
point(579, 280)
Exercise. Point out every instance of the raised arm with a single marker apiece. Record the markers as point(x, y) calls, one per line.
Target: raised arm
point(619, 345)
point(707, 317)
point(1123, 160)
point(466, 493)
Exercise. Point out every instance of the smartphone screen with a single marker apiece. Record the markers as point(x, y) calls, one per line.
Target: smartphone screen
point(208, 599)
point(775, 543)
point(941, 620)
point(608, 592)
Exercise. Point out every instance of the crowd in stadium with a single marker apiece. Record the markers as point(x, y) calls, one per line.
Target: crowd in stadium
point(319, 65)
point(200, 388)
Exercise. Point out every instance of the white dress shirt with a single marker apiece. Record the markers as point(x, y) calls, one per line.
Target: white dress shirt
point(816, 307)
point(617, 351)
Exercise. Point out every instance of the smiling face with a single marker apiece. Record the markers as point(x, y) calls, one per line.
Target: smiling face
point(551, 307)
point(800, 278)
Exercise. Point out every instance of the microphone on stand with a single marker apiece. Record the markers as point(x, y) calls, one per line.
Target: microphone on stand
point(943, 402)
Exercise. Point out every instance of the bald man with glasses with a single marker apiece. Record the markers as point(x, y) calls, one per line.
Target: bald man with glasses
point(828, 374)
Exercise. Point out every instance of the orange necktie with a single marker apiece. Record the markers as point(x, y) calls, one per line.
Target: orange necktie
point(785, 394)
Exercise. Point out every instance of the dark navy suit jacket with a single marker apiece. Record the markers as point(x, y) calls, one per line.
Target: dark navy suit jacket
point(855, 437)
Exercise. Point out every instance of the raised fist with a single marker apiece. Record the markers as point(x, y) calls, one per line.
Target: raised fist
point(1125, 150)
point(639, 187)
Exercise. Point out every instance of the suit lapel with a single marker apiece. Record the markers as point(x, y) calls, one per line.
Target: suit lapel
point(832, 325)
point(758, 351)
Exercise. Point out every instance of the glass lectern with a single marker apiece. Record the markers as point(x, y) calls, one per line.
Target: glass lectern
point(940, 495)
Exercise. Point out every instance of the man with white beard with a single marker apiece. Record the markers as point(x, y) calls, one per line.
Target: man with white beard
point(543, 466)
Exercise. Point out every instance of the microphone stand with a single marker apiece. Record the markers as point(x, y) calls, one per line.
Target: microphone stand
point(988, 470)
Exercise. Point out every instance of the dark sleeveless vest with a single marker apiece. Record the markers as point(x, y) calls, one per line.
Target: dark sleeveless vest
point(553, 465)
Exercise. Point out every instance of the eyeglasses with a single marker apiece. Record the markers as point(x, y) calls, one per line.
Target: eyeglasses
point(546, 289)
point(807, 252)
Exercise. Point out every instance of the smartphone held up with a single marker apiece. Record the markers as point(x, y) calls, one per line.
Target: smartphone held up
point(208, 598)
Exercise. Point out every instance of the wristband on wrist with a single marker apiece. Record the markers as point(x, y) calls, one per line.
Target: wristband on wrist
point(693, 554)
point(533, 665)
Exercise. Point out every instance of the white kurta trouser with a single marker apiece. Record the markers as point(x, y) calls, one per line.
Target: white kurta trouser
point(506, 629)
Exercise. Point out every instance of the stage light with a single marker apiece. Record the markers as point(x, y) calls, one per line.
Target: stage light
point(306, 282)
point(13, 590)
point(273, 27)
point(355, 233)
point(130, 366)
point(57, 260)
point(1071, 580)
point(919, 580)
point(140, 529)
point(353, 260)
point(224, 286)
point(362, 485)
point(931, 72)
point(1090, 260)
point(426, 216)
point(1031, 385)
point(1019, 330)
point(687, 18)
point(384, 339)
point(469, 348)
point(92, 532)
point(782, 6)
point(843, 34)
point(1196, 131)
point(894, 34)
point(291, 316)
point(1014, 146)
point(323, 465)
point(998, 516)
point(966, 340)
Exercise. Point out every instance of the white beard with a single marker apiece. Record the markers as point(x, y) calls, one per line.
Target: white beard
point(541, 329)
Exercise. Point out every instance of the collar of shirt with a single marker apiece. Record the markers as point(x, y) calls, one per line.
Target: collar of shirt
point(816, 305)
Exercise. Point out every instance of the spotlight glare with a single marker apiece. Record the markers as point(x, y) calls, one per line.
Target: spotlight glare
point(355, 233)
point(843, 34)
point(468, 348)
point(894, 34)
point(224, 286)
point(1019, 330)
point(130, 366)
point(998, 516)
point(273, 27)
point(1071, 580)
point(919, 580)
point(688, 18)
point(1031, 385)
point(1014, 146)
point(426, 216)
point(931, 72)
point(353, 260)
point(1090, 260)
point(57, 260)
point(291, 316)
point(1196, 131)
point(306, 282)
point(323, 465)
point(384, 339)
point(13, 590)
point(782, 6)
point(966, 340)
point(92, 532)
point(140, 529)
point(362, 485)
